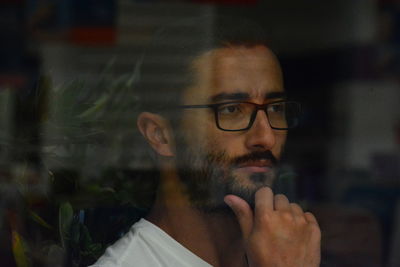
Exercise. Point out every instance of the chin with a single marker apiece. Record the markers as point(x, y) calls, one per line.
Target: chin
point(246, 186)
point(254, 180)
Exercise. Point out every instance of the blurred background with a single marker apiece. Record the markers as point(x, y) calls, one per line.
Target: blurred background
point(70, 167)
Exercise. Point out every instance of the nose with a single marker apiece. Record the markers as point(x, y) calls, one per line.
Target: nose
point(260, 136)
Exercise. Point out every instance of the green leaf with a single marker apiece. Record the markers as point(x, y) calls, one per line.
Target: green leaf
point(19, 249)
point(86, 239)
point(65, 216)
point(96, 189)
point(94, 251)
point(75, 232)
point(39, 220)
point(98, 105)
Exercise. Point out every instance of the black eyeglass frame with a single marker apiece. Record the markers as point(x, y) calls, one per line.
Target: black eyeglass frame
point(253, 115)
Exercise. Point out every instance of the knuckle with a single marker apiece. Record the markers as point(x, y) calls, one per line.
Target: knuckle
point(314, 230)
point(301, 220)
point(286, 215)
point(264, 219)
point(280, 197)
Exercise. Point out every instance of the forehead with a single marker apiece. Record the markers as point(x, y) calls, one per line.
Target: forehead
point(252, 71)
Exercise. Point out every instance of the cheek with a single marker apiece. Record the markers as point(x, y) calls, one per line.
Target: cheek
point(204, 133)
point(230, 143)
point(196, 124)
point(233, 144)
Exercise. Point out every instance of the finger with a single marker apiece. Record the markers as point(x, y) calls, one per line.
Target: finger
point(296, 209)
point(264, 199)
point(298, 213)
point(316, 231)
point(310, 218)
point(281, 202)
point(243, 213)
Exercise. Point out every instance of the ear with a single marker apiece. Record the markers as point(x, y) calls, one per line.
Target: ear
point(157, 131)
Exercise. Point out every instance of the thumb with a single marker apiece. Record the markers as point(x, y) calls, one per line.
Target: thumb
point(243, 213)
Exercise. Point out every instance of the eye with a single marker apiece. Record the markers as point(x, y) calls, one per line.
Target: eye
point(277, 108)
point(229, 109)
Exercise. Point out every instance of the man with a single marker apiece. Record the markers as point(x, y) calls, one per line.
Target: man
point(217, 149)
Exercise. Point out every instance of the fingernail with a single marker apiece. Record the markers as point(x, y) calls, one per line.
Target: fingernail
point(228, 201)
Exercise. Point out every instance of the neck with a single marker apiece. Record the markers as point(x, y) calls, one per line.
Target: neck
point(216, 238)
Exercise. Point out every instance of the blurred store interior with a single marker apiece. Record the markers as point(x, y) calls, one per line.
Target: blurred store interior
point(66, 123)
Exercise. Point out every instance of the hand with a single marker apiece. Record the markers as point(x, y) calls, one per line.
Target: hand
point(277, 233)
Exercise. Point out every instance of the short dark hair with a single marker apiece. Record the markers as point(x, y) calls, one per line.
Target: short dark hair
point(165, 68)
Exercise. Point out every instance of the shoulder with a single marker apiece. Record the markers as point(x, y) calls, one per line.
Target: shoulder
point(129, 251)
point(146, 245)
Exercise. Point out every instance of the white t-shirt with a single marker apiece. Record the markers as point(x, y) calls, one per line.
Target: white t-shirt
point(146, 245)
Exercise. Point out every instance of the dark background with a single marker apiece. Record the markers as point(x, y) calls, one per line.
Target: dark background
point(66, 124)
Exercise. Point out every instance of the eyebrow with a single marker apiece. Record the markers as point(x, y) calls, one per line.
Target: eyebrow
point(245, 96)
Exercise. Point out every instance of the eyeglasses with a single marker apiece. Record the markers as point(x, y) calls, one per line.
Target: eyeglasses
point(240, 116)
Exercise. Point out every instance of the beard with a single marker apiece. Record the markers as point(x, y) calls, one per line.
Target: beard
point(210, 175)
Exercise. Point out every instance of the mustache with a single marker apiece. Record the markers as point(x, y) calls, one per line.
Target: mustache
point(255, 156)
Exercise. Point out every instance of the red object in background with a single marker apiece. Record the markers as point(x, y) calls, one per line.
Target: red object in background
point(229, 2)
point(93, 35)
point(14, 81)
point(93, 22)
point(12, 1)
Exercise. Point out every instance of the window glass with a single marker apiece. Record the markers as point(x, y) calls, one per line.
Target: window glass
point(80, 164)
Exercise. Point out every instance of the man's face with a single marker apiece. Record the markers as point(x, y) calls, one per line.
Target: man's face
point(213, 162)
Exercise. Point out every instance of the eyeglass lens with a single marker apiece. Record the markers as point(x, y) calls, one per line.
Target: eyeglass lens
point(237, 116)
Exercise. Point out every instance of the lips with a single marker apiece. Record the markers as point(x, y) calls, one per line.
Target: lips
point(256, 166)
